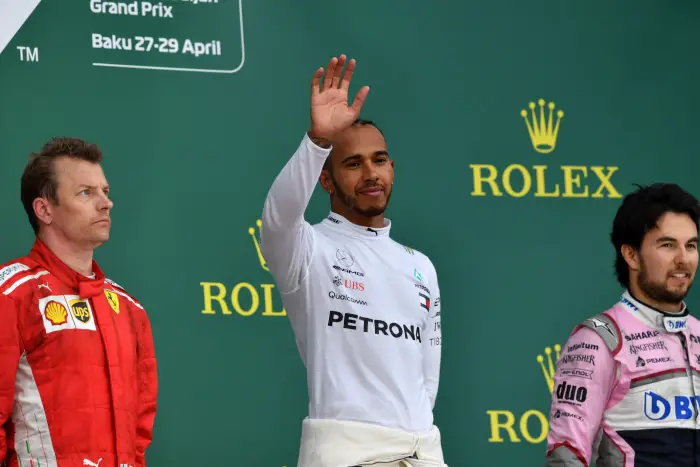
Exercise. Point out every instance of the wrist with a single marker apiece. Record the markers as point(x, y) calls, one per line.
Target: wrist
point(318, 140)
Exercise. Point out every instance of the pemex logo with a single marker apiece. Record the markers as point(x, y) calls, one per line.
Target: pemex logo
point(532, 425)
point(13, 14)
point(243, 298)
point(542, 132)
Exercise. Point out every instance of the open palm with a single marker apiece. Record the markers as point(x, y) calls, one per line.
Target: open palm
point(330, 112)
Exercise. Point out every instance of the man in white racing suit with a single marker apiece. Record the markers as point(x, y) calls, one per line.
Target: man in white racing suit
point(364, 309)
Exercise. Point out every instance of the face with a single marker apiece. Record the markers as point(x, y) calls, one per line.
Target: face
point(362, 173)
point(81, 216)
point(668, 259)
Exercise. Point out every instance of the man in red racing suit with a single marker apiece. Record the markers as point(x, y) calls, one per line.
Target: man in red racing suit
point(78, 380)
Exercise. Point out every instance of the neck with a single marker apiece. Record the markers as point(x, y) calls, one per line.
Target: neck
point(356, 218)
point(647, 300)
point(77, 258)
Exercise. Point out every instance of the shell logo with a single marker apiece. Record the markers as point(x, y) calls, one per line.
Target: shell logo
point(56, 313)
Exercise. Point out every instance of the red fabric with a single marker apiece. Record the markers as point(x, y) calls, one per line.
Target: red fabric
point(95, 369)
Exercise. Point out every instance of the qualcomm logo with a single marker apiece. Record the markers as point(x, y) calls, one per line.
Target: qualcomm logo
point(657, 407)
point(13, 14)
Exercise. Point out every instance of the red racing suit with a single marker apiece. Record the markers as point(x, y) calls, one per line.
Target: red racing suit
point(78, 380)
point(626, 391)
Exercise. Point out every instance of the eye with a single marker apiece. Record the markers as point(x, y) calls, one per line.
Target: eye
point(692, 246)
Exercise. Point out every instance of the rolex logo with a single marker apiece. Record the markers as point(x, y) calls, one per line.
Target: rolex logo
point(548, 367)
point(256, 242)
point(543, 132)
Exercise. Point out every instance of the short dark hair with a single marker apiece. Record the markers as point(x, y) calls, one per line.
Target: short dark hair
point(639, 213)
point(39, 178)
point(357, 122)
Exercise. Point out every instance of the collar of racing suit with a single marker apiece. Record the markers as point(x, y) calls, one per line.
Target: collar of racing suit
point(341, 224)
point(658, 319)
point(86, 287)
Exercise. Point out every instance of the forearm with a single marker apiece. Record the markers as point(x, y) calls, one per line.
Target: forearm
point(287, 239)
point(148, 390)
point(432, 347)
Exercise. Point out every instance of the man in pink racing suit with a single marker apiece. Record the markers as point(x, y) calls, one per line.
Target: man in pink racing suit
point(627, 383)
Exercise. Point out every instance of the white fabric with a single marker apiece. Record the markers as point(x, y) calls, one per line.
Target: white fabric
point(364, 309)
point(335, 443)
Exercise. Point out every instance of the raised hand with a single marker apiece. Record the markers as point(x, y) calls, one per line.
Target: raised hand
point(330, 113)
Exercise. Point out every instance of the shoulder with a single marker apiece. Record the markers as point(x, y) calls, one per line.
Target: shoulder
point(423, 262)
point(117, 291)
point(603, 327)
point(17, 276)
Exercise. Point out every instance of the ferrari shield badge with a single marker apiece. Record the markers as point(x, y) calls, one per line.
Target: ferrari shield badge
point(112, 300)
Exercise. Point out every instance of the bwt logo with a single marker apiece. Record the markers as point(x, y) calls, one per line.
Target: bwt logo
point(675, 324)
point(656, 407)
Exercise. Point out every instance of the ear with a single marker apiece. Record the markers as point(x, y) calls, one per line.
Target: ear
point(43, 210)
point(326, 182)
point(631, 256)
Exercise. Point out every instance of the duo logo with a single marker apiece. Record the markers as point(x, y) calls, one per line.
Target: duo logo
point(657, 407)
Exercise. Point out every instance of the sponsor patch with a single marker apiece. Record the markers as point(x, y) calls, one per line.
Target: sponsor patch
point(8, 271)
point(113, 300)
point(61, 312)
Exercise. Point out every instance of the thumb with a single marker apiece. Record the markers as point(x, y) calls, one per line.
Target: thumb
point(360, 99)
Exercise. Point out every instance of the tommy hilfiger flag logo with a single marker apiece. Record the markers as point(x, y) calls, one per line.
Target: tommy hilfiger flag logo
point(426, 301)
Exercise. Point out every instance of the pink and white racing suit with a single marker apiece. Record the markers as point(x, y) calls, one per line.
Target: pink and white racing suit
point(625, 390)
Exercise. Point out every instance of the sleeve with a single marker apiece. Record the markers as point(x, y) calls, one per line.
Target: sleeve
point(10, 350)
point(147, 387)
point(432, 343)
point(585, 376)
point(287, 239)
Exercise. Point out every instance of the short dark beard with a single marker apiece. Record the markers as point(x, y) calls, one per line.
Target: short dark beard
point(659, 292)
point(349, 201)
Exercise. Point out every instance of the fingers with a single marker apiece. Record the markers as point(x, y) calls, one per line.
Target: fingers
point(360, 99)
point(330, 72)
point(316, 82)
point(347, 76)
point(338, 69)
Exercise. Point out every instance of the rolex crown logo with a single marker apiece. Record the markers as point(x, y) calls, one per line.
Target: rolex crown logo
point(543, 133)
point(256, 242)
point(549, 369)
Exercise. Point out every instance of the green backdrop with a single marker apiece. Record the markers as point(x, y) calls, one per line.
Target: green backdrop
point(192, 144)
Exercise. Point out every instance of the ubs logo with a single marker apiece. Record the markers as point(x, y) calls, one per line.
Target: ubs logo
point(349, 284)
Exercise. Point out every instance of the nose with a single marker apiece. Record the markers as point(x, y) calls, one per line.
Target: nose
point(105, 203)
point(684, 256)
point(370, 171)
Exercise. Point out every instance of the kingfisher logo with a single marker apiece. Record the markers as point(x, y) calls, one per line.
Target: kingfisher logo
point(13, 14)
point(657, 407)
